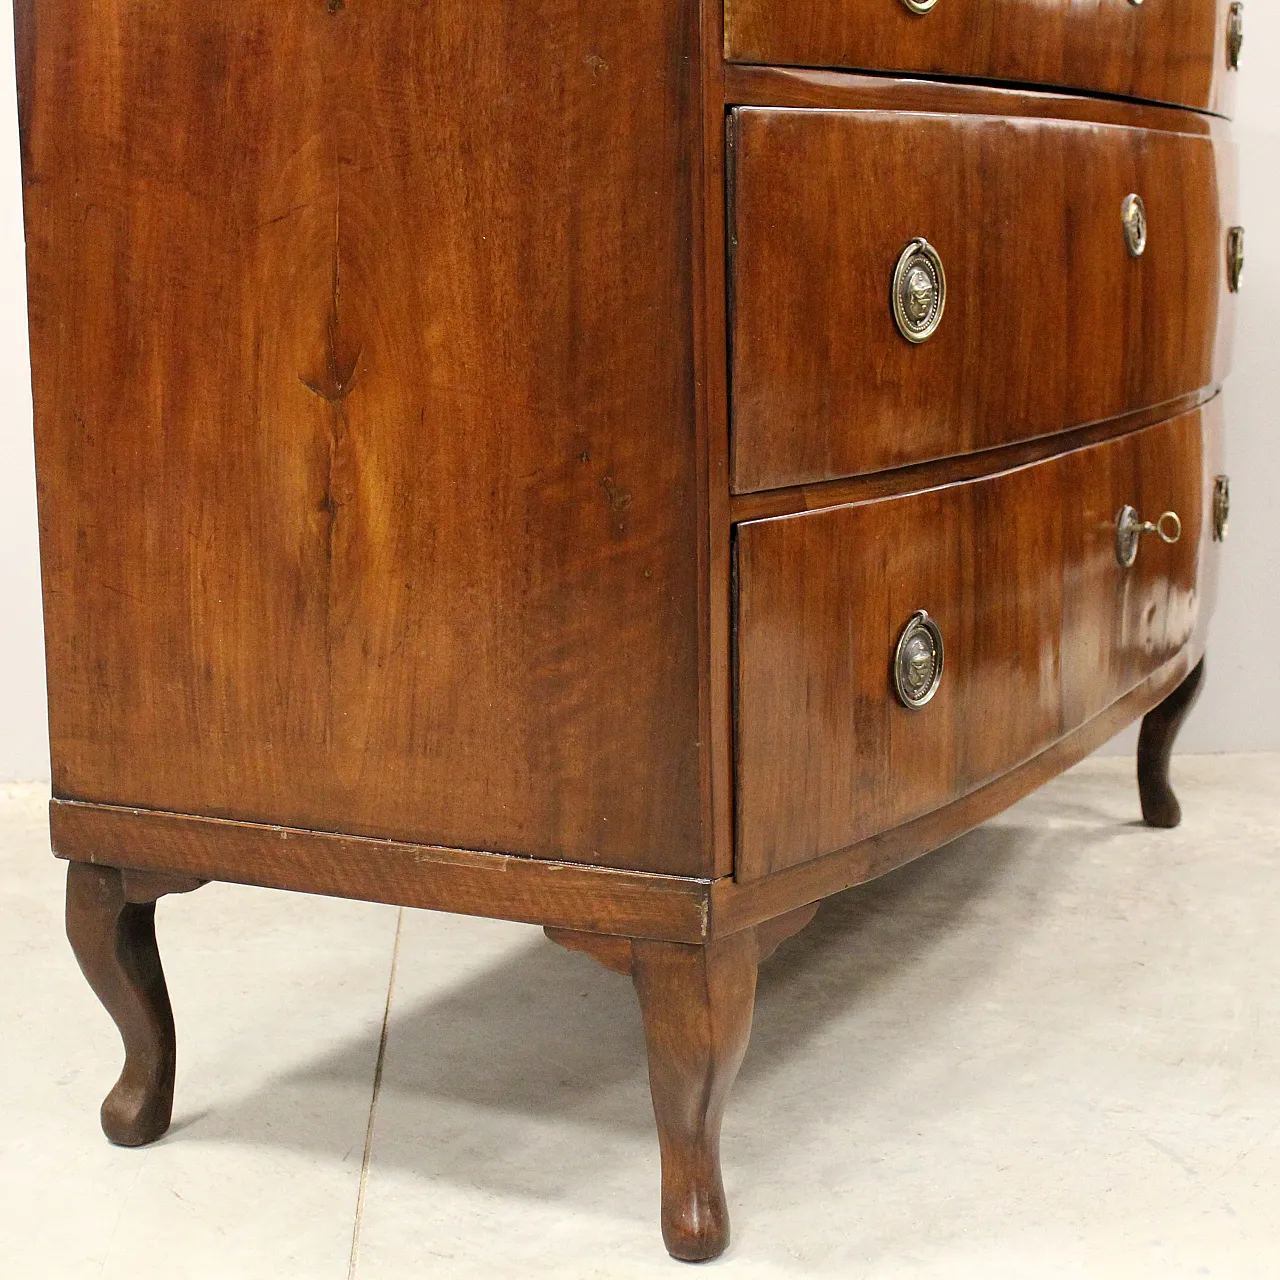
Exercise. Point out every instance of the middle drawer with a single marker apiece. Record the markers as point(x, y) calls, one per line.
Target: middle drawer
point(1051, 320)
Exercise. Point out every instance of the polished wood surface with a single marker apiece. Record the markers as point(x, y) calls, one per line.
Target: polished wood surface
point(1043, 630)
point(1163, 50)
point(369, 497)
point(712, 366)
point(459, 454)
point(964, 466)
point(618, 953)
point(1160, 726)
point(1050, 323)
point(537, 890)
point(113, 936)
point(697, 1003)
point(569, 898)
point(751, 86)
point(734, 905)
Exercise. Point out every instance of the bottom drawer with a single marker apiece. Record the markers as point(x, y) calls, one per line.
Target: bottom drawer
point(1041, 626)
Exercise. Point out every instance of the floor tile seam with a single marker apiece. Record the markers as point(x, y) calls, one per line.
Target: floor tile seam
point(365, 1160)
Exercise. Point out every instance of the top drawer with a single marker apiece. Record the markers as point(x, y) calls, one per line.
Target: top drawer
point(1177, 51)
point(1050, 320)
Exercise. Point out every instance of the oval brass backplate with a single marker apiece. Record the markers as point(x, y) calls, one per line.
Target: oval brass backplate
point(919, 291)
point(1221, 507)
point(1235, 36)
point(919, 6)
point(917, 661)
point(1235, 258)
point(1133, 213)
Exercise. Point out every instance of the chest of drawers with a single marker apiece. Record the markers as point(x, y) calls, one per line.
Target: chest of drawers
point(580, 466)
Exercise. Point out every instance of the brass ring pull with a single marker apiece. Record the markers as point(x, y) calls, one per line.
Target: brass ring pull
point(917, 661)
point(919, 291)
point(1130, 527)
point(1133, 216)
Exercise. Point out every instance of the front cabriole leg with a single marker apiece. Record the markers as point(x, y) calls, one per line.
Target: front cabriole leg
point(1160, 728)
point(697, 1002)
point(111, 926)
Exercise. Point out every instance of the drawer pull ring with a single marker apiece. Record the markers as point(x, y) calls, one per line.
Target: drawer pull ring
point(1235, 36)
point(1130, 527)
point(919, 6)
point(1221, 507)
point(1133, 213)
point(917, 661)
point(919, 291)
point(1235, 258)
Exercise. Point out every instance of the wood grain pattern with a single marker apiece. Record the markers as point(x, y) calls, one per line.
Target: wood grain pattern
point(537, 890)
point(1160, 727)
point(1163, 50)
point(712, 362)
point(113, 936)
point(381, 358)
point(964, 466)
point(734, 906)
point(362, 346)
point(1044, 630)
point(576, 898)
point(752, 86)
point(1049, 324)
point(697, 1004)
point(618, 953)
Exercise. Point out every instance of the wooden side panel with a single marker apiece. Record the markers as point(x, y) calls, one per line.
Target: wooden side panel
point(1163, 50)
point(363, 364)
point(1050, 323)
point(1043, 631)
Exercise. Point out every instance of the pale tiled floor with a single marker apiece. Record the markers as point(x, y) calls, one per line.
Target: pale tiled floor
point(1050, 1050)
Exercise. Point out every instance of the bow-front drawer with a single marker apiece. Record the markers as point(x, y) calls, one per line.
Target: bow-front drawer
point(1178, 51)
point(910, 286)
point(1050, 592)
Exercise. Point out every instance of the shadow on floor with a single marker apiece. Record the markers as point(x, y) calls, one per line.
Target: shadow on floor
point(548, 1037)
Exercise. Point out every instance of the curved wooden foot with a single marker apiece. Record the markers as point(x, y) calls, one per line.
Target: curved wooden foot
point(111, 926)
point(1160, 728)
point(697, 1003)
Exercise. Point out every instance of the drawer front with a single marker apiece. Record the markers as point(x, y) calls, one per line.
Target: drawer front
point(1041, 626)
point(1176, 51)
point(1050, 321)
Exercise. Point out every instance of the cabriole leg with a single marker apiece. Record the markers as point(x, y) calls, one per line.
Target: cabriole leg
point(1160, 728)
point(114, 940)
point(697, 1003)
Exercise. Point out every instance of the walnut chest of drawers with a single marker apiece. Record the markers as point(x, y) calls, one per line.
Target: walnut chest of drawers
point(569, 462)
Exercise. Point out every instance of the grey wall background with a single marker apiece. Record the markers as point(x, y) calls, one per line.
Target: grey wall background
point(1240, 709)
